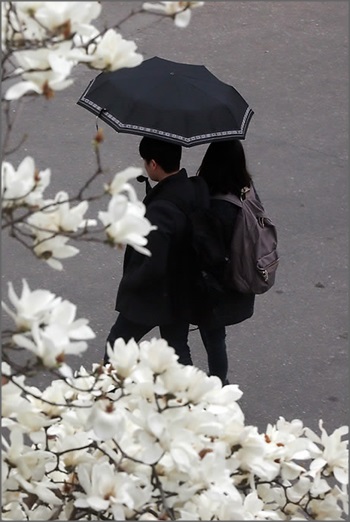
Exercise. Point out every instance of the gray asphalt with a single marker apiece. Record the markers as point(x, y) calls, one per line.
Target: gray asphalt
point(290, 61)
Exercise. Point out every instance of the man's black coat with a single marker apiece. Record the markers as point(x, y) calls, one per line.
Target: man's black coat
point(156, 290)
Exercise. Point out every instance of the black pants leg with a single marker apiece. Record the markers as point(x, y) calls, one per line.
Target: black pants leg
point(215, 345)
point(175, 334)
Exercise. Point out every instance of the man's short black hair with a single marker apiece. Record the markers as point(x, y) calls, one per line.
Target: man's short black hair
point(167, 155)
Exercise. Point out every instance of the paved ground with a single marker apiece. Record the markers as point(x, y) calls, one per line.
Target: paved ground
point(290, 60)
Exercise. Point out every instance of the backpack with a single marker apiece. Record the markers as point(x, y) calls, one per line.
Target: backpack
point(253, 259)
point(250, 265)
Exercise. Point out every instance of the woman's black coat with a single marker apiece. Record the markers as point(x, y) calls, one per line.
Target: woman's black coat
point(156, 290)
point(232, 307)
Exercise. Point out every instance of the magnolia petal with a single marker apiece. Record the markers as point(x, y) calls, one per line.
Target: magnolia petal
point(61, 85)
point(183, 19)
point(27, 165)
point(21, 88)
point(66, 371)
point(23, 342)
point(64, 313)
point(65, 251)
point(8, 311)
point(341, 475)
point(142, 250)
point(82, 332)
point(97, 503)
point(54, 263)
point(154, 8)
point(12, 294)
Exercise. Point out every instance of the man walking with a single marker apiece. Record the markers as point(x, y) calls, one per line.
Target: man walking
point(156, 290)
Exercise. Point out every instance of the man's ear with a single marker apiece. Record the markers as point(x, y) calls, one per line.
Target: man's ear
point(153, 164)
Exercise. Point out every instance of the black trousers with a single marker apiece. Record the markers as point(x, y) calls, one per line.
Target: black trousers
point(176, 335)
point(214, 340)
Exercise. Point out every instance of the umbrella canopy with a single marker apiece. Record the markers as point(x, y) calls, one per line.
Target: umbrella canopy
point(181, 103)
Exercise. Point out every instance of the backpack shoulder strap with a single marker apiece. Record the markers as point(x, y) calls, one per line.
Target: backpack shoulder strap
point(231, 198)
point(246, 193)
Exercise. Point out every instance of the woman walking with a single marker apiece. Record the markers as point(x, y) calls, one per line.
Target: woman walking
point(224, 170)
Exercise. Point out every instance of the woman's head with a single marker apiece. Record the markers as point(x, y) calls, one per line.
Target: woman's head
point(224, 167)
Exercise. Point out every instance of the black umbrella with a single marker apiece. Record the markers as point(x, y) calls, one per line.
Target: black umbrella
point(181, 103)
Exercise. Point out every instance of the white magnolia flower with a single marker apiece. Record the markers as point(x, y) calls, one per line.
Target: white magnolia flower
point(107, 489)
point(43, 71)
point(27, 9)
point(29, 462)
point(211, 504)
point(180, 11)
point(120, 182)
point(31, 307)
point(74, 448)
point(200, 448)
point(254, 509)
point(12, 510)
point(112, 52)
point(158, 355)
point(24, 186)
point(54, 397)
point(38, 513)
point(334, 458)
point(72, 424)
point(148, 448)
point(51, 247)
point(41, 489)
point(106, 420)
point(54, 331)
point(18, 404)
point(58, 20)
point(123, 356)
point(63, 314)
point(58, 216)
point(35, 20)
point(327, 508)
point(50, 344)
point(46, 225)
point(125, 223)
point(54, 15)
point(69, 219)
point(188, 382)
point(287, 443)
point(18, 23)
point(12, 401)
point(252, 454)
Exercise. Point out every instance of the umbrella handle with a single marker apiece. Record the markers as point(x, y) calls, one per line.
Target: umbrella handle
point(99, 116)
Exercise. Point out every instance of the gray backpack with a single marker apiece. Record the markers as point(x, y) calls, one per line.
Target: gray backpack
point(253, 257)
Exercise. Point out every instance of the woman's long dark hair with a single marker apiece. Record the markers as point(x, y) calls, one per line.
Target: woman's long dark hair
point(224, 167)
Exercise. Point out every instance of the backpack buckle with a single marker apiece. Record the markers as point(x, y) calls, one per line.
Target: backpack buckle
point(244, 191)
